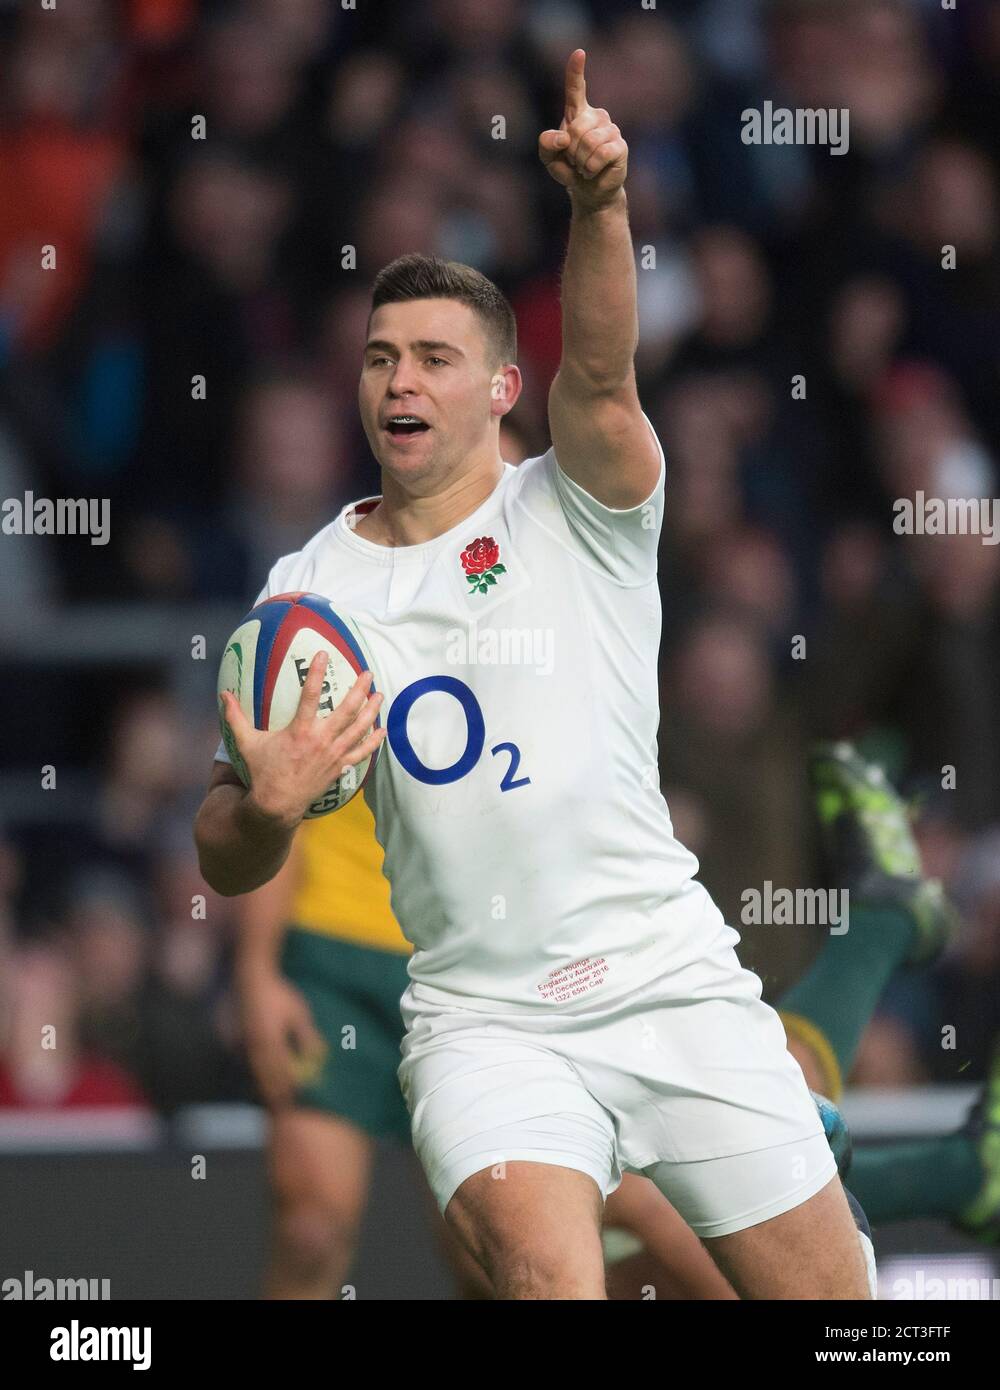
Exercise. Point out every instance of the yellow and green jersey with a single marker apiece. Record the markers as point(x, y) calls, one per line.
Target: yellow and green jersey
point(342, 891)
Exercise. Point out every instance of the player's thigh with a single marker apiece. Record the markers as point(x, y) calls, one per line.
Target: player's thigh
point(471, 1280)
point(537, 1223)
point(319, 1165)
point(517, 1151)
point(810, 1251)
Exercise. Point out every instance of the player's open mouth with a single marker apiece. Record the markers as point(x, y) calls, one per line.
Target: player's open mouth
point(399, 426)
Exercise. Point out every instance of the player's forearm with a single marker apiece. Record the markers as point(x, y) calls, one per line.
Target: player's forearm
point(239, 848)
point(600, 318)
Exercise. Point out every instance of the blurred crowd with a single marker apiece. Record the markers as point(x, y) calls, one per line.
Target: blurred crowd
point(223, 180)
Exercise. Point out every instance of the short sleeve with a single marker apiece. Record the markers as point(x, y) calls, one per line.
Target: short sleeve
point(622, 543)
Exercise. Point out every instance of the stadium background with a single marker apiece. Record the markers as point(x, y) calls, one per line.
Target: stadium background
point(227, 258)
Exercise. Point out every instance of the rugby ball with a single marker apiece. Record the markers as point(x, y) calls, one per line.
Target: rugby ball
point(265, 665)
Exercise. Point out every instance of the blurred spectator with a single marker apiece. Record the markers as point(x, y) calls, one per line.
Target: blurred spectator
point(147, 768)
point(62, 150)
point(211, 311)
point(189, 1038)
point(858, 657)
point(738, 758)
point(43, 1064)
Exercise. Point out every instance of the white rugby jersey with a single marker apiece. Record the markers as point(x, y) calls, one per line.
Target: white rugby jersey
point(529, 850)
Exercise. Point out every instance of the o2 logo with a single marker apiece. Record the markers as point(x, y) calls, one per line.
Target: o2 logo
point(475, 736)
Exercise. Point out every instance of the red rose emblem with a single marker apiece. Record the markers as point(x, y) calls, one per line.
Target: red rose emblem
point(481, 562)
point(480, 556)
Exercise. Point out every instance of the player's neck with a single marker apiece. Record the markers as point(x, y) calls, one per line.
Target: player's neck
point(402, 519)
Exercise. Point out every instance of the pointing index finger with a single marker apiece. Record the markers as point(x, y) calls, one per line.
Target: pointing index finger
point(576, 84)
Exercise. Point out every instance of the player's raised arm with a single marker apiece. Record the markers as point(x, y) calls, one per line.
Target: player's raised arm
point(600, 437)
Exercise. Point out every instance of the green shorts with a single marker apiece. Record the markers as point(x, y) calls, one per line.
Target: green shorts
point(353, 992)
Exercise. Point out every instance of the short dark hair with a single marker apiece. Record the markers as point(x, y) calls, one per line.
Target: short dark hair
point(429, 277)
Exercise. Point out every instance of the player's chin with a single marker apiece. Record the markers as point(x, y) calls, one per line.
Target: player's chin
point(405, 452)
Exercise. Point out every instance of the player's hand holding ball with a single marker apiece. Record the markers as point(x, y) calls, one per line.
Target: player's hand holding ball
point(587, 154)
point(299, 719)
point(290, 769)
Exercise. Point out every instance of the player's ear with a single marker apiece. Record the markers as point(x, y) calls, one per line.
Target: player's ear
point(505, 389)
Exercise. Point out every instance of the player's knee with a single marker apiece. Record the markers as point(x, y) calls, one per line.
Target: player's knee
point(536, 1274)
point(314, 1240)
point(550, 1267)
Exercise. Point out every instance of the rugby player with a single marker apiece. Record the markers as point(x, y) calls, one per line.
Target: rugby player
point(575, 1007)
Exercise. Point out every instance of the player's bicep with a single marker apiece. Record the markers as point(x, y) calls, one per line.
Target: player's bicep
point(622, 541)
point(603, 441)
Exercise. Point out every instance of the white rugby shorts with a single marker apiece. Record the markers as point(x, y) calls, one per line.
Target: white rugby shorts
point(688, 1081)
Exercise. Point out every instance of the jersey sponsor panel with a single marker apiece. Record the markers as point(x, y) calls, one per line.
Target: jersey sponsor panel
point(519, 809)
